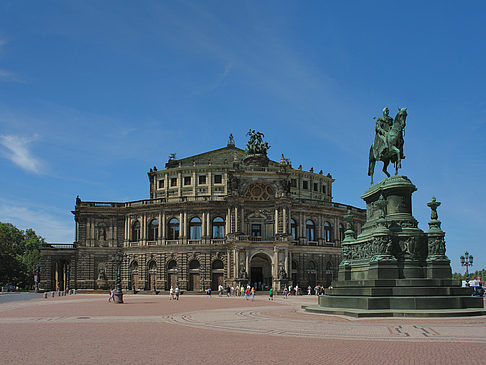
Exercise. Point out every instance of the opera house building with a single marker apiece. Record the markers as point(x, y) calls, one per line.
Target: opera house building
point(228, 216)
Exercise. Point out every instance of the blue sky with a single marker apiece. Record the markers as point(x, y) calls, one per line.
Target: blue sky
point(93, 94)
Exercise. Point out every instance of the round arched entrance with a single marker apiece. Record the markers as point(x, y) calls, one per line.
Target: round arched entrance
point(261, 271)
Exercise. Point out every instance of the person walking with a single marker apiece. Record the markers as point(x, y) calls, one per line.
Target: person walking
point(286, 292)
point(270, 294)
point(171, 293)
point(242, 291)
point(247, 293)
point(112, 296)
point(208, 292)
point(252, 294)
point(177, 292)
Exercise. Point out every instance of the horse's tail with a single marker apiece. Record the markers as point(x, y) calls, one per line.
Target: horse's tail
point(372, 157)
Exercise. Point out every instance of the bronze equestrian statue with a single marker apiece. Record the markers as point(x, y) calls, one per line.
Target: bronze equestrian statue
point(388, 143)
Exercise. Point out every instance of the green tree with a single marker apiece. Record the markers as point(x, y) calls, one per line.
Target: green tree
point(19, 252)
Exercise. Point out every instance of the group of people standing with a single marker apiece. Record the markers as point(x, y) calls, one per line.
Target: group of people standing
point(174, 293)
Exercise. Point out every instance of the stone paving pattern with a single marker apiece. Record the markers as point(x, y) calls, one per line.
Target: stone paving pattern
point(86, 329)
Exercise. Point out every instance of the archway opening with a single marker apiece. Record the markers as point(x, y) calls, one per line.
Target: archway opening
point(261, 271)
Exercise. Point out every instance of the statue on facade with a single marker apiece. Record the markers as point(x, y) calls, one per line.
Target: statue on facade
point(101, 273)
point(231, 140)
point(282, 274)
point(255, 145)
point(243, 274)
point(388, 143)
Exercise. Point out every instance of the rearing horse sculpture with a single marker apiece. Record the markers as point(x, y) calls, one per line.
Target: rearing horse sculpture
point(393, 150)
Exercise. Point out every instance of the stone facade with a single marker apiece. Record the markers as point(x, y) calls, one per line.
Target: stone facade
point(221, 217)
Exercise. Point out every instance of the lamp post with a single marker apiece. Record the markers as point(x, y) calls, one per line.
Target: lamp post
point(467, 260)
point(36, 271)
point(118, 259)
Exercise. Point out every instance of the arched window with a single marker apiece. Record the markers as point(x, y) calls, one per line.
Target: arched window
point(153, 232)
point(311, 265)
point(217, 265)
point(218, 227)
point(152, 266)
point(195, 229)
point(136, 231)
point(194, 265)
point(310, 230)
point(328, 267)
point(172, 265)
point(293, 229)
point(327, 232)
point(173, 231)
point(294, 265)
point(341, 232)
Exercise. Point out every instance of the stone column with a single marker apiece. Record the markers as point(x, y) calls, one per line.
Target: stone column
point(208, 225)
point(228, 222)
point(301, 225)
point(284, 216)
point(203, 225)
point(275, 263)
point(181, 226)
point(247, 263)
point(276, 230)
point(92, 233)
point(236, 220)
point(160, 227)
point(242, 218)
point(164, 218)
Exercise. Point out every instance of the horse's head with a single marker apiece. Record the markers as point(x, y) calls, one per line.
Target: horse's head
point(401, 116)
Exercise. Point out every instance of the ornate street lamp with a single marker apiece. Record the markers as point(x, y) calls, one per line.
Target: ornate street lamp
point(467, 260)
point(118, 258)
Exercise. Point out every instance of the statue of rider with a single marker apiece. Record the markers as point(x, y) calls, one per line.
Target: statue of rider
point(382, 126)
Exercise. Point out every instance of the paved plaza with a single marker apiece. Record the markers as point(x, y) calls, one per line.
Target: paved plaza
point(149, 329)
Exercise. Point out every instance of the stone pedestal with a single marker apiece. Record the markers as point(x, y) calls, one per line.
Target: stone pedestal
point(393, 268)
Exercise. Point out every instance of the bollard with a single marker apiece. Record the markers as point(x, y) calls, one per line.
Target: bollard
point(74, 291)
point(45, 295)
point(52, 294)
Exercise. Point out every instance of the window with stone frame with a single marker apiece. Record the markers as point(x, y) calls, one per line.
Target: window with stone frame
point(218, 227)
point(195, 229)
point(293, 229)
point(202, 179)
point(305, 185)
point(173, 229)
point(316, 187)
point(310, 229)
point(153, 230)
point(218, 179)
point(161, 184)
point(187, 180)
point(173, 181)
point(324, 189)
point(135, 236)
point(327, 232)
point(293, 183)
point(341, 232)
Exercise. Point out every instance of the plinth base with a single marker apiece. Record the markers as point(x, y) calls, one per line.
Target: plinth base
point(420, 313)
point(118, 298)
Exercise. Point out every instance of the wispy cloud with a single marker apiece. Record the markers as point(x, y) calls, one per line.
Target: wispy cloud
point(46, 225)
point(16, 149)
